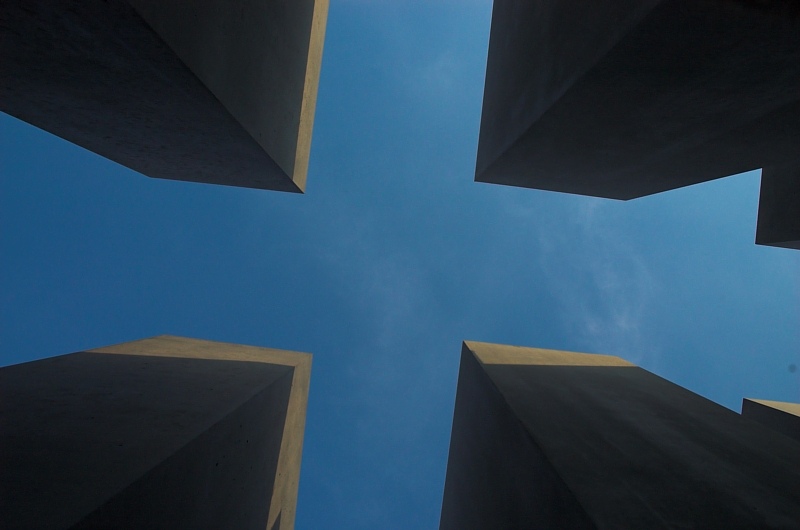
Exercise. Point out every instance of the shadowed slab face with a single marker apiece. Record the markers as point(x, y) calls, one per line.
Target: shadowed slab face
point(627, 98)
point(630, 449)
point(778, 207)
point(211, 91)
point(780, 416)
point(260, 58)
point(147, 435)
point(497, 476)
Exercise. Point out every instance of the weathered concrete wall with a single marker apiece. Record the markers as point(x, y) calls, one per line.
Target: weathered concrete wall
point(497, 476)
point(159, 433)
point(634, 450)
point(208, 91)
point(261, 59)
point(779, 207)
point(777, 415)
point(537, 51)
point(630, 98)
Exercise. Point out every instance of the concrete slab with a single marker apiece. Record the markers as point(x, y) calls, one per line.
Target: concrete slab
point(777, 415)
point(550, 439)
point(159, 433)
point(625, 98)
point(211, 91)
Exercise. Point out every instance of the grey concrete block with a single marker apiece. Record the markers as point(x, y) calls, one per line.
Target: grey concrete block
point(163, 433)
point(779, 207)
point(551, 439)
point(777, 415)
point(626, 98)
point(211, 91)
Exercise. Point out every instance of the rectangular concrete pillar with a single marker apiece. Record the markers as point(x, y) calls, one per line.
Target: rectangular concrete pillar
point(777, 415)
point(215, 91)
point(779, 207)
point(626, 98)
point(161, 433)
point(552, 439)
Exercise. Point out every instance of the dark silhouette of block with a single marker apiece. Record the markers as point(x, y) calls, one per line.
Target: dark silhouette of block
point(161, 433)
point(215, 91)
point(551, 439)
point(625, 98)
point(777, 415)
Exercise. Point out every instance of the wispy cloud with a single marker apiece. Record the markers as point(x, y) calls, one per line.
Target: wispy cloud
point(605, 289)
point(438, 76)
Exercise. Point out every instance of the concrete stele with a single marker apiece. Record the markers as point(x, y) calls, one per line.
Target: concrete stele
point(551, 439)
point(777, 415)
point(164, 432)
point(626, 98)
point(213, 91)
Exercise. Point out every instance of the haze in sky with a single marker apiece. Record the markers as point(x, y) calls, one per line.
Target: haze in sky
point(392, 258)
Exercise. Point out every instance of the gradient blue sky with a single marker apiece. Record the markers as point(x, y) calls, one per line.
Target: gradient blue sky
point(390, 260)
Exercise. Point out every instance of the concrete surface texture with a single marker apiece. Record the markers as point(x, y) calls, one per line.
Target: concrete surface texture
point(625, 98)
point(777, 415)
point(551, 439)
point(159, 433)
point(211, 91)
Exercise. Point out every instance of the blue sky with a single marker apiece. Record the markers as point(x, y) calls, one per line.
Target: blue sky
point(390, 260)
